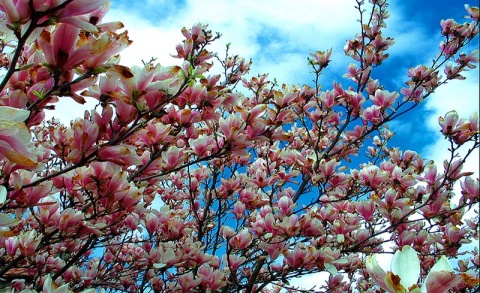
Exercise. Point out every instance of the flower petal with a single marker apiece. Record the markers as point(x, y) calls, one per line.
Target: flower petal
point(3, 194)
point(79, 24)
point(7, 221)
point(406, 265)
point(13, 114)
point(375, 271)
point(441, 281)
point(440, 277)
point(393, 283)
point(18, 158)
point(442, 265)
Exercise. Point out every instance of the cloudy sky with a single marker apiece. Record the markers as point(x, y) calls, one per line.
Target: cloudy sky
point(279, 34)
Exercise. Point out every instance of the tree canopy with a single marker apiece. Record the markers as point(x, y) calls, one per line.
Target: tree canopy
point(184, 179)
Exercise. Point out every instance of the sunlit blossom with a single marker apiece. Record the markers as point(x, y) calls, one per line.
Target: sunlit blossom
point(405, 271)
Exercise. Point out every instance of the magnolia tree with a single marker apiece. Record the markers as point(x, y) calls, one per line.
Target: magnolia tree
point(255, 179)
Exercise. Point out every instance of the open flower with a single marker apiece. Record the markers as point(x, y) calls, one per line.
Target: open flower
point(14, 137)
point(405, 270)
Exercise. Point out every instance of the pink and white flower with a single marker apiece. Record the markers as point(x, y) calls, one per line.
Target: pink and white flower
point(405, 271)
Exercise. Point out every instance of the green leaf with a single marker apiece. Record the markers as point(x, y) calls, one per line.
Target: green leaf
point(40, 95)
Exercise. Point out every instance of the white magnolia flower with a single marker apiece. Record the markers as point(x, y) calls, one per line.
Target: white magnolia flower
point(405, 271)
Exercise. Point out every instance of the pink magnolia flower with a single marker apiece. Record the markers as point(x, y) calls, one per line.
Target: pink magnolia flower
point(419, 72)
point(241, 240)
point(50, 286)
point(450, 122)
point(366, 209)
point(120, 154)
point(470, 190)
point(151, 223)
point(60, 49)
point(384, 99)
point(174, 156)
point(296, 257)
point(239, 209)
point(286, 205)
point(70, 219)
point(105, 47)
point(188, 282)
point(321, 58)
point(212, 279)
point(14, 137)
point(327, 99)
point(405, 270)
point(372, 114)
point(85, 134)
point(328, 167)
point(30, 195)
point(234, 262)
point(28, 242)
point(231, 126)
point(74, 12)
point(373, 176)
point(165, 257)
point(77, 7)
point(16, 11)
point(203, 145)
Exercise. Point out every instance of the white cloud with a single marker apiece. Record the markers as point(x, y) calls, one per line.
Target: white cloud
point(309, 281)
point(271, 37)
point(67, 110)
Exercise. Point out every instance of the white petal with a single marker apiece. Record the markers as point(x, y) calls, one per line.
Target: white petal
point(406, 265)
point(442, 265)
point(7, 221)
point(47, 284)
point(13, 114)
point(3, 194)
point(331, 269)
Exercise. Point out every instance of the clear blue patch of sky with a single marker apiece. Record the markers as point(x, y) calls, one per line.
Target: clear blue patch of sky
point(157, 13)
point(271, 40)
point(430, 12)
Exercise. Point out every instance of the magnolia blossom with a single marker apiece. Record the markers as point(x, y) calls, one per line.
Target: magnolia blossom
point(405, 270)
point(14, 136)
point(50, 287)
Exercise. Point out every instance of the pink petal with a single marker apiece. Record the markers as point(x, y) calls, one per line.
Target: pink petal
point(65, 37)
point(442, 281)
point(80, 7)
point(78, 23)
